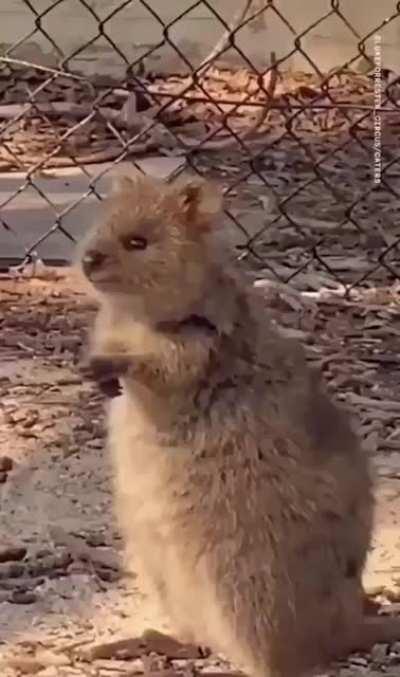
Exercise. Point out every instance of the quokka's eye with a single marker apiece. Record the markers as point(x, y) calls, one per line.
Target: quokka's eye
point(131, 242)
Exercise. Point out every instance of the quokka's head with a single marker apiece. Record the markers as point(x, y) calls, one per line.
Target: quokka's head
point(152, 242)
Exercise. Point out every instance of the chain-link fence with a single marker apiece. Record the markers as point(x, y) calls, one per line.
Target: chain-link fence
point(307, 156)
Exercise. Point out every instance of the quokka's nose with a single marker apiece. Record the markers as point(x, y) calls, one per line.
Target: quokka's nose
point(92, 261)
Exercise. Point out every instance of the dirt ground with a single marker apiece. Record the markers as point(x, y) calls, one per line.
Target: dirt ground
point(63, 589)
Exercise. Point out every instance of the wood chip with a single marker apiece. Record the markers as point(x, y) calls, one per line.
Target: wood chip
point(149, 642)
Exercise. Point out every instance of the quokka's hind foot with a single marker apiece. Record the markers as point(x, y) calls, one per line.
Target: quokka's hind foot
point(150, 642)
point(105, 374)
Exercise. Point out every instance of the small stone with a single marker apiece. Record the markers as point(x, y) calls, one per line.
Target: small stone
point(63, 559)
point(21, 597)
point(70, 343)
point(50, 659)
point(6, 464)
point(11, 570)
point(391, 609)
point(96, 540)
point(379, 653)
point(96, 443)
point(392, 594)
point(51, 671)
point(12, 553)
point(359, 661)
point(23, 584)
point(77, 568)
point(38, 569)
point(50, 563)
point(70, 451)
point(107, 575)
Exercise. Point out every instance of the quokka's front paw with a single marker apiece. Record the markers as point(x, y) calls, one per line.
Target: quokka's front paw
point(105, 367)
point(106, 371)
point(110, 387)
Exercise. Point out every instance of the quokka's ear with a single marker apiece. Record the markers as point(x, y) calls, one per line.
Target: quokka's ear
point(125, 180)
point(200, 201)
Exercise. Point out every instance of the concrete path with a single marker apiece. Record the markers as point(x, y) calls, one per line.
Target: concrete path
point(61, 197)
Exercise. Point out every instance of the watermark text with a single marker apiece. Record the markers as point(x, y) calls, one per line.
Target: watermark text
point(377, 148)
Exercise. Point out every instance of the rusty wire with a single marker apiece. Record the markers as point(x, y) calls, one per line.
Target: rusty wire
point(285, 153)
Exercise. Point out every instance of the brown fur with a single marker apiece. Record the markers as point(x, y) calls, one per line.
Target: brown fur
point(241, 489)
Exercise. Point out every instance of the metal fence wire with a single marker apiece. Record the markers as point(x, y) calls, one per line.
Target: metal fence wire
point(308, 161)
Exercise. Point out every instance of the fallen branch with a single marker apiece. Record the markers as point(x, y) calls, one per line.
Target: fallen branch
point(115, 151)
point(385, 405)
point(270, 90)
point(108, 154)
point(225, 40)
point(151, 641)
point(250, 134)
point(223, 43)
point(80, 550)
point(126, 118)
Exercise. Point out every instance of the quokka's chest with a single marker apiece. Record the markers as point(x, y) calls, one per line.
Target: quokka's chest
point(146, 462)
